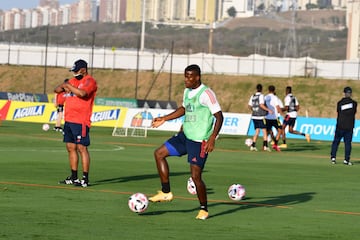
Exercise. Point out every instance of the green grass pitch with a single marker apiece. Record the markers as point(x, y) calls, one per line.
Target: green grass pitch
point(294, 194)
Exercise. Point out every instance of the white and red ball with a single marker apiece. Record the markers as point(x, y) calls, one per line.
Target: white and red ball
point(191, 186)
point(45, 127)
point(138, 202)
point(236, 192)
point(248, 142)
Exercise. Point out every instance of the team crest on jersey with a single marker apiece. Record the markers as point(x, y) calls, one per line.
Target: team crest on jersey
point(105, 115)
point(190, 108)
point(29, 112)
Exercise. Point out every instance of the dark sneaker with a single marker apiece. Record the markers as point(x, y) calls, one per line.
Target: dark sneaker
point(69, 181)
point(83, 183)
point(347, 163)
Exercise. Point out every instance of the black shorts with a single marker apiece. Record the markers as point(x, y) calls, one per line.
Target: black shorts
point(288, 121)
point(60, 108)
point(273, 123)
point(259, 123)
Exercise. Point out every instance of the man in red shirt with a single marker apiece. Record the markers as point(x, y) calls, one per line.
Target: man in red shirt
point(80, 95)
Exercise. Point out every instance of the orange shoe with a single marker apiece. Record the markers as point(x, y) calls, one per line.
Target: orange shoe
point(307, 137)
point(283, 145)
point(202, 215)
point(162, 197)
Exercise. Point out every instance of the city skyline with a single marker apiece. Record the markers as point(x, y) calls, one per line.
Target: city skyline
point(28, 4)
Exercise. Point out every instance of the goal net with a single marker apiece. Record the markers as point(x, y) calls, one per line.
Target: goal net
point(135, 126)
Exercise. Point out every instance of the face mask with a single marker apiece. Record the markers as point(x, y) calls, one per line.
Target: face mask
point(78, 76)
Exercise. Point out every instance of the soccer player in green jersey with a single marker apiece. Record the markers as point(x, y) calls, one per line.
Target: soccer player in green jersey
point(203, 119)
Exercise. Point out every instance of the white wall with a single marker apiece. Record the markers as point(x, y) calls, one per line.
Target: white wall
point(210, 63)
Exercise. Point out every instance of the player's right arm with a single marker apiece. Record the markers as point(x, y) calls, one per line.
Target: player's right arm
point(61, 87)
point(173, 115)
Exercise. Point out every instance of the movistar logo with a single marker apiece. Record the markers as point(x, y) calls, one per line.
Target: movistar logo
point(29, 112)
point(105, 115)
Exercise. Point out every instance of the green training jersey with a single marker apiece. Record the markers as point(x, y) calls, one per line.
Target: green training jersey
point(198, 121)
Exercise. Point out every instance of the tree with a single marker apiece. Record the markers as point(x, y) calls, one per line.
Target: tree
point(232, 12)
point(311, 6)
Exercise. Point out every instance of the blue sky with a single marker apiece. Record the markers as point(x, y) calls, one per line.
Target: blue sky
point(25, 4)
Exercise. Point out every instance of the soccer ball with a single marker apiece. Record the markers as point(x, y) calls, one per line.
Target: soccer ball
point(138, 202)
point(45, 127)
point(248, 142)
point(236, 192)
point(191, 186)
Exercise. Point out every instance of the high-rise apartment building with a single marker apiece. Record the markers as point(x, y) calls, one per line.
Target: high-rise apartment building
point(84, 10)
point(112, 10)
point(207, 11)
point(198, 12)
point(134, 10)
point(353, 24)
point(49, 3)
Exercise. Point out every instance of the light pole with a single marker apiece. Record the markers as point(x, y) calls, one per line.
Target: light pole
point(143, 26)
point(46, 53)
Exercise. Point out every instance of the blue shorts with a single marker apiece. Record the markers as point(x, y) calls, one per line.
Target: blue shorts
point(179, 145)
point(259, 123)
point(73, 133)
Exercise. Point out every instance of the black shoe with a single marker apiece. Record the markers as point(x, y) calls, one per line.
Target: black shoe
point(69, 181)
point(83, 183)
point(58, 129)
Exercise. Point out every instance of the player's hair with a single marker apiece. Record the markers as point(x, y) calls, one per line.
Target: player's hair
point(259, 87)
point(288, 89)
point(272, 88)
point(194, 68)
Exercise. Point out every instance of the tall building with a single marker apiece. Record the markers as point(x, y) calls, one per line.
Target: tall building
point(207, 11)
point(134, 10)
point(353, 24)
point(49, 3)
point(9, 20)
point(112, 10)
point(84, 10)
point(180, 10)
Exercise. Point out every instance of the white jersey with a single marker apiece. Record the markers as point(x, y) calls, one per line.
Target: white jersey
point(281, 105)
point(291, 102)
point(207, 98)
point(261, 101)
point(272, 102)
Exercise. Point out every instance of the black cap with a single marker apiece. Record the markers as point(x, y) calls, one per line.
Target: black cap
point(347, 90)
point(78, 65)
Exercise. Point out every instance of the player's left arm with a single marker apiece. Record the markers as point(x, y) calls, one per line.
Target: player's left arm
point(208, 98)
point(210, 145)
